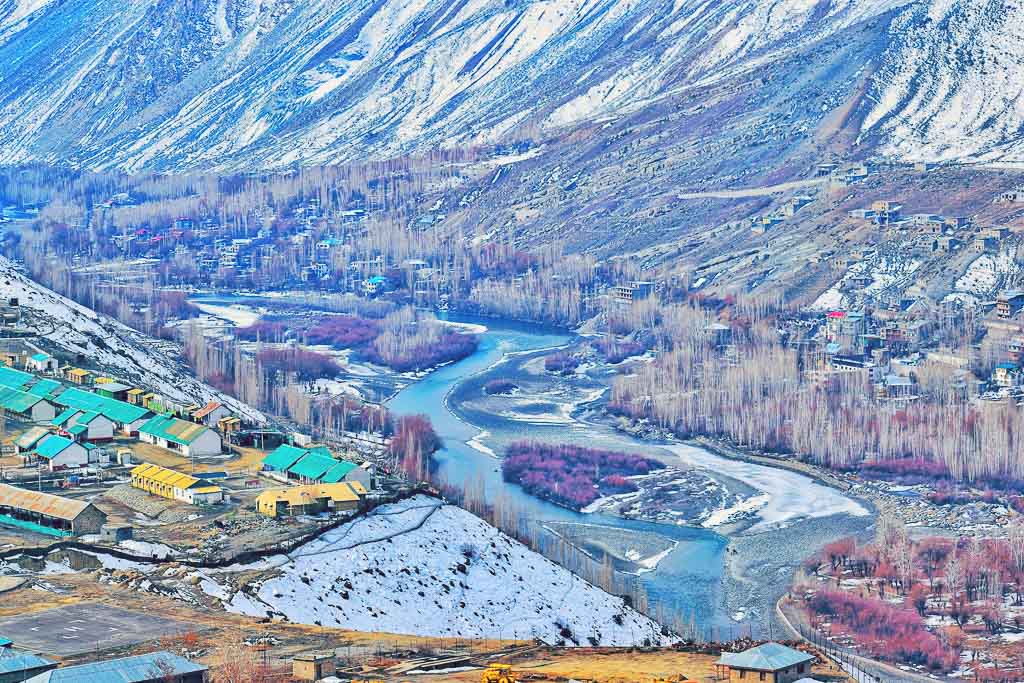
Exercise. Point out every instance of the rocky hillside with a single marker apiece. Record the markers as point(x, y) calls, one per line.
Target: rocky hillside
point(233, 84)
point(71, 331)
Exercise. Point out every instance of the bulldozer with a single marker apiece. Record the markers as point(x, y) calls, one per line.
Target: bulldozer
point(498, 673)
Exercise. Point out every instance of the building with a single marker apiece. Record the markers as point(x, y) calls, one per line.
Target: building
point(886, 212)
point(770, 662)
point(188, 438)
point(26, 406)
point(1009, 303)
point(42, 362)
point(48, 514)
point(17, 666)
point(26, 443)
point(1006, 375)
point(634, 291)
point(156, 667)
point(127, 418)
point(211, 414)
point(313, 666)
point(111, 389)
point(87, 425)
point(61, 452)
point(310, 500)
point(173, 485)
point(78, 376)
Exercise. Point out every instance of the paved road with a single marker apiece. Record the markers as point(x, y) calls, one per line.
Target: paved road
point(755, 191)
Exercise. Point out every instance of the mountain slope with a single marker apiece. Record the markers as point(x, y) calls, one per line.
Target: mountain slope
point(233, 84)
point(68, 329)
point(421, 567)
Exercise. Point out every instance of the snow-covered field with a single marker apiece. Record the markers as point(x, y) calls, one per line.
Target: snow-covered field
point(425, 568)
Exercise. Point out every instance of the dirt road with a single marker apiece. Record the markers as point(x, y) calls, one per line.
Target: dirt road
point(755, 191)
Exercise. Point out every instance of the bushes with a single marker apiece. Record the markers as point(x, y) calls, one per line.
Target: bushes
point(500, 386)
point(448, 347)
point(264, 330)
point(572, 476)
point(887, 631)
point(561, 363)
point(413, 442)
point(616, 351)
point(343, 332)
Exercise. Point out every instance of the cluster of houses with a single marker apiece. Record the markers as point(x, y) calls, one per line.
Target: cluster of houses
point(72, 421)
point(935, 232)
point(319, 482)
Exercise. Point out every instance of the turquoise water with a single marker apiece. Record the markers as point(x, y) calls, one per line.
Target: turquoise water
point(686, 583)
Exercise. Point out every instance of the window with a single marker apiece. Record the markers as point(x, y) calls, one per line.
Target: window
point(743, 674)
point(761, 675)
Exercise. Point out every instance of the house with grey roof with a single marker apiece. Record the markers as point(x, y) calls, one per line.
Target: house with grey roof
point(156, 667)
point(769, 662)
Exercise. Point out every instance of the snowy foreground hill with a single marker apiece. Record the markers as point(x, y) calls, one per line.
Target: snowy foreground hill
point(237, 84)
point(65, 328)
point(425, 568)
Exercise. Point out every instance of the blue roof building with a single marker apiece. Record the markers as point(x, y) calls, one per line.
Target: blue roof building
point(16, 665)
point(156, 667)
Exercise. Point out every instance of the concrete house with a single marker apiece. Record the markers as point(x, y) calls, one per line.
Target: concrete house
point(770, 662)
point(41, 362)
point(188, 438)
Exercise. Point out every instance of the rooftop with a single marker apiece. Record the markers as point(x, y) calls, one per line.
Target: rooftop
point(766, 657)
point(42, 503)
point(156, 665)
point(173, 429)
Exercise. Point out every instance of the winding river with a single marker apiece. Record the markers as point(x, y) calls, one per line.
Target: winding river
point(726, 585)
point(690, 584)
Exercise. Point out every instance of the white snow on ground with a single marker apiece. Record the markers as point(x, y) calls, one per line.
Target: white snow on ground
point(404, 569)
point(147, 549)
point(237, 314)
point(65, 327)
point(724, 515)
point(791, 496)
point(986, 273)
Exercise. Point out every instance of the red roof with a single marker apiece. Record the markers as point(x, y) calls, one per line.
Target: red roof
point(837, 314)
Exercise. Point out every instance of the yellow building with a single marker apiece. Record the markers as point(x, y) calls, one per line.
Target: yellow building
point(173, 485)
point(78, 376)
point(310, 500)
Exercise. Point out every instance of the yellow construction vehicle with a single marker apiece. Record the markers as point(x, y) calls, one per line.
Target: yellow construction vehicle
point(498, 673)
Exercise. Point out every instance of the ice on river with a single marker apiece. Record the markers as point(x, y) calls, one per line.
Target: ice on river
point(791, 496)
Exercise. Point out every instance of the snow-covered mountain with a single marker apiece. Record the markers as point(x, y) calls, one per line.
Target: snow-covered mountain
point(234, 84)
point(70, 330)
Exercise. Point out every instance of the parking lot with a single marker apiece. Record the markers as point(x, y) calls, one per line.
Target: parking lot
point(86, 626)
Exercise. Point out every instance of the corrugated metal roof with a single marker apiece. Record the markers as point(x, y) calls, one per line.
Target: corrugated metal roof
point(283, 457)
point(31, 437)
point(306, 495)
point(115, 410)
point(17, 401)
point(338, 472)
point(15, 379)
point(135, 669)
point(206, 410)
point(173, 429)
point(52, 446)
point(46, 388)
point(42, 503)
point(312, 466)
point(766, 657)
point(66, 415)
point(14, 661)
point(165, 476)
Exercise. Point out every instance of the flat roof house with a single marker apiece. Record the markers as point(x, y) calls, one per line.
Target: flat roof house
point(770, 662)
point(156, 667)
point(48, 514)
point(188, 438)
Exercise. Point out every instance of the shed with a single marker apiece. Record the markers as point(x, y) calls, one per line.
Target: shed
point(48, 514)
point(771, 662)
point(41, 362)
point(27, 441)
point(212, 413)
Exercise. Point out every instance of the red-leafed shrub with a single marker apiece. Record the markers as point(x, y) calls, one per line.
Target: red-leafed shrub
point(343, 331)
point(572, 476)
point(263, 330)
point(561, 363)
point(886, 631)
